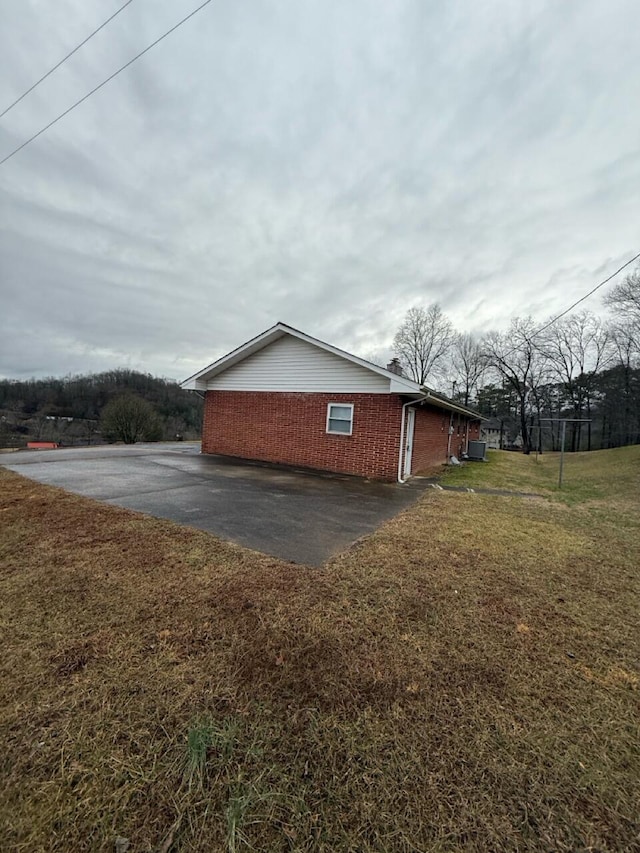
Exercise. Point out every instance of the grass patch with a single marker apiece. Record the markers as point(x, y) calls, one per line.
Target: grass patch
point(609, 475)
point(464, 679)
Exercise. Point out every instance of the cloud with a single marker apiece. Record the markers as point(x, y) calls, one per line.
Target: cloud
point(327, 165)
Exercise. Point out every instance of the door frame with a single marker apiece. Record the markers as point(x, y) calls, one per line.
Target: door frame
point(408, 442)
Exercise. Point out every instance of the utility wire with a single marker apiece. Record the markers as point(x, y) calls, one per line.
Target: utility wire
point(152, 45)
point(104, 82)
point(586, 296)
point(64, 59)
point(571, 307)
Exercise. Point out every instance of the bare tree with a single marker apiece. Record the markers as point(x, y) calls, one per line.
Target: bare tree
point(626, 344)
point(624, 298)
point(625, 337)
point(577, 347)
point(422, 341)
point(468, 364)
point(514, 356)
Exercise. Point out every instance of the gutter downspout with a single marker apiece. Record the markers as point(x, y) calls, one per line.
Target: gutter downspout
point(449, 438)
point(401, 455)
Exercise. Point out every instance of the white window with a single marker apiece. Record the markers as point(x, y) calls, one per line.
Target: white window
point(340, 418)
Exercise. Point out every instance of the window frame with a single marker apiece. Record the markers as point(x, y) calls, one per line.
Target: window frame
point(330, 431)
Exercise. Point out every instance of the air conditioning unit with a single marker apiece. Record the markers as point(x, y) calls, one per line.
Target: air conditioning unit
point(477, 451)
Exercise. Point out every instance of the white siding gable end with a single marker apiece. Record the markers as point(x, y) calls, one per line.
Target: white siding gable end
point(292, 364)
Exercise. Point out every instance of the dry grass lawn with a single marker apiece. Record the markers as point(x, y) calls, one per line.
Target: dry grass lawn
point(601, 474)
point(466, 679)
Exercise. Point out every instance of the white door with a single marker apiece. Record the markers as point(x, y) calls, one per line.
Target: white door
point(408, 442)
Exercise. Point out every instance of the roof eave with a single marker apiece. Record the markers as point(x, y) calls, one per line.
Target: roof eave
point(450, 406)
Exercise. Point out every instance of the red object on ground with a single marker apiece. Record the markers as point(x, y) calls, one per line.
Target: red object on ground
point(41, 445)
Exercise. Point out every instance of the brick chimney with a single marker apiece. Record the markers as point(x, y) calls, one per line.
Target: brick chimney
point(394, 366)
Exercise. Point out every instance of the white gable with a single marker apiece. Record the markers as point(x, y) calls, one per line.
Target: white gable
point(292, 364)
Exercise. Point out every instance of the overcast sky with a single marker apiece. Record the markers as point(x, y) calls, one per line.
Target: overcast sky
point(327, 164)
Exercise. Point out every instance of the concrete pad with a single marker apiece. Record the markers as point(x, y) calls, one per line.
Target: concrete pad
point(294, 515)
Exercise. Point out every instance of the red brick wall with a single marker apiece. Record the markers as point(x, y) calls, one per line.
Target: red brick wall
point(431, 434)
point(291, 429)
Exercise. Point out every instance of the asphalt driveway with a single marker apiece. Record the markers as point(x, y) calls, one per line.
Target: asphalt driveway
point(295, 515)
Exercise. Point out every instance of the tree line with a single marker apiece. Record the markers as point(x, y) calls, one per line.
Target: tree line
point(87, 409)
point(581, 367)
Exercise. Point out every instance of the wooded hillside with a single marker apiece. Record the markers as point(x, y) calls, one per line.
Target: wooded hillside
point(68, 410)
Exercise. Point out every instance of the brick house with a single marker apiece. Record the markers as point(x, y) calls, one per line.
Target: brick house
point(288, 398)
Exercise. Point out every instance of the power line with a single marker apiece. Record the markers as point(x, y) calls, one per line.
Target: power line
point(104, 82)
point(64, 59)
point(571, 307)
point(586, 296)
